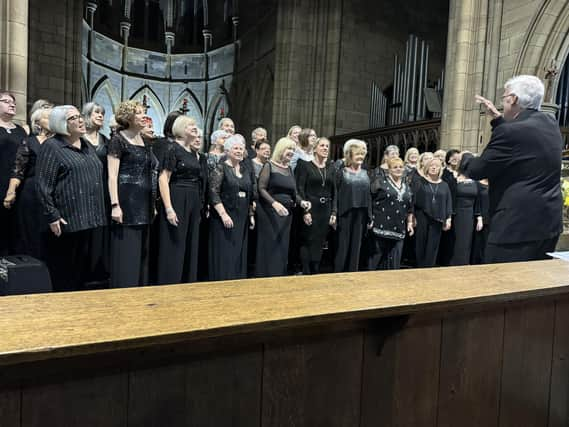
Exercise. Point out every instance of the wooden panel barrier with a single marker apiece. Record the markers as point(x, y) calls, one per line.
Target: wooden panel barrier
point(464, 346)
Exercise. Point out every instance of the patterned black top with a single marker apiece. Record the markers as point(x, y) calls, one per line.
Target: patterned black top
point(226, 187)
point(390, 206)
point(10, 140)
point(137, 180)
point(186, 168)
point(70, 184)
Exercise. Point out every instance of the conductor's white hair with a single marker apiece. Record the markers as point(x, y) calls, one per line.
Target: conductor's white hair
point(528, 89)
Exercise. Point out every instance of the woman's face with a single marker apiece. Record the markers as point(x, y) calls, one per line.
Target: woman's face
point(7, 106)
point(228, 126)
point(413, 157)
point(396, 171)
point(287, 155)
point(440, 155)
point(453, 161)
point(196, 143)
point(191, 132)
point(75, 123)
point(426, 158)
point(358, 156)
point(264, 152)
point(139, 119)
point(294, 134)
point(391, 154)
point(322, 149)
point(97, 118)
point(235, 153)
point(434, 168)
point(43, 121)
point(312, 138)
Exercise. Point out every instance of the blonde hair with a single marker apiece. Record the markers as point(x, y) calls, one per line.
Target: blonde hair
point(292, 128)
point(349, 146)
point(180, 125)
point(394, 161)
point(125, 112)
point(36, 117)
point(410, 151)
point(281, 146)
point(427, 165)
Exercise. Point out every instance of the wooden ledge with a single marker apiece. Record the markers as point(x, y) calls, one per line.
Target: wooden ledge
point(46, 326)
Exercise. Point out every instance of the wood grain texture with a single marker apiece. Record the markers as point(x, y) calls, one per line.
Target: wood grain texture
point(93, 402)
point(559, 396)
point(44, 326)
point(314, 383)
point(526, 368)
point(400, 384)
point(471, 364)
point(10, 408)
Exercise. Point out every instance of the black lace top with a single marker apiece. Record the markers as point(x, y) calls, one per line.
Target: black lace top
point(226, 187)
point(10, 140)
point(277, 184)
point(137, 180)
point(26, 157)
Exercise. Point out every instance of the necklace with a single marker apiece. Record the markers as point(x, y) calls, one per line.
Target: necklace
point(399, 190)
point(433, 191)
point(322, 174)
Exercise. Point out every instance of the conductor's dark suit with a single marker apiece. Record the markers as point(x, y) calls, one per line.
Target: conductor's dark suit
point(522, 162)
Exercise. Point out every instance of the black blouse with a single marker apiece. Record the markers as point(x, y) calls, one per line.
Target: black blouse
point(10, 140)
point(433, 199)
point(353, 191)
point(26, 157)
point(227, 188)
point(467, 196)
point(186, 167)
point(314, 183)
point(137, 180)
point(70, 184)
point(390, 206)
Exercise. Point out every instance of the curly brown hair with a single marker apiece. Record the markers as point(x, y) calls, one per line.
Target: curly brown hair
point(125, 112)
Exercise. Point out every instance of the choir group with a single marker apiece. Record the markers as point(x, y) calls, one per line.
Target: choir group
point(134, 209)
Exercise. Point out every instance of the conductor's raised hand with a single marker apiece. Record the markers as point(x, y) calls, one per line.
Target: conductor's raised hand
point(488, 106)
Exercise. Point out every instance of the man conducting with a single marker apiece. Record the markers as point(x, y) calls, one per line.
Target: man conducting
point(522, 162)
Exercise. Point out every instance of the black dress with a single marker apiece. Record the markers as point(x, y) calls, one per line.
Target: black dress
point(273, 231)
point(315, 185)
point(137, 183)
point(391, 206)
point(228, 246)
point(446, 247)
point(433, 206)
point(354, 213)
point(10, 140)
point(481, 237)
point(178, 245)
point(29, 222)
point(100, 245)
point(466, 209)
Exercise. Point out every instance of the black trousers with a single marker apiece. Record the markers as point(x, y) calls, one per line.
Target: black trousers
point(351, 229)
point(517, 252)
point(68, 259)
point(427, 239)
point(384, 254)
point(129, 255)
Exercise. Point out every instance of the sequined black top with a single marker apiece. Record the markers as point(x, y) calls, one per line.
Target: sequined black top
point(137, 180)
point(10, 140)
point(70, 184)
point(26, 157)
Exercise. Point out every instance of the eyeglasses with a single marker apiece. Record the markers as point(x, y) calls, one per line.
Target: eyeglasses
point(510, 94)
point(75, 117)
point(8, 101)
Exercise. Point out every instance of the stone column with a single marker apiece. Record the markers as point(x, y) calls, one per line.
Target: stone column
point(306, 65)
point(464, 74)
point(14, 52)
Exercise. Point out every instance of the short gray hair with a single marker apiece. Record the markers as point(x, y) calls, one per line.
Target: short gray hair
point(256, 131)
point(528, 89)
point(391, 148)
point(218, 134)
point(58, 119)
point(88, 109)
point(36, 117)
point(234, 140)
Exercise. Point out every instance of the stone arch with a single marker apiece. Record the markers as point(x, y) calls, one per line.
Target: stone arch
point(547, 39)
point(221, 99)
point(195, 108)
